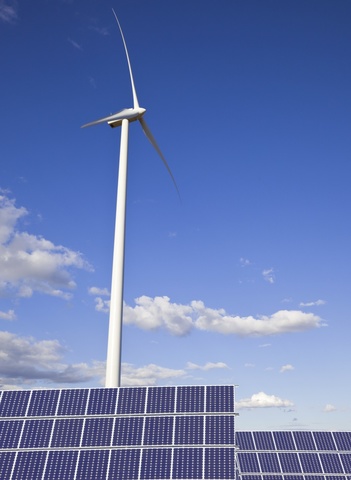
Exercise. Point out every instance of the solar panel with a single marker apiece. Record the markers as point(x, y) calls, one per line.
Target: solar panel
point(295, 455)
point(123, 433)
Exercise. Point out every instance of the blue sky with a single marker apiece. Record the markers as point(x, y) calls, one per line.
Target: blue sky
point(246, 280)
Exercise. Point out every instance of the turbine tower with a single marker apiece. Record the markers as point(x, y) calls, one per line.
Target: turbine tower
point(122, 118)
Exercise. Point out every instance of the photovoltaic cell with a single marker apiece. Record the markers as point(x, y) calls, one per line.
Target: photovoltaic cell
point(158, 430)
point(131, 400)
point(92, 464)
point(73, 402)
point(219, 463)
point(304, 440)
point(128, 431)
point(269, 462)
point(61, 464)
point(36, 433)
point(219, 398)
point(248, 462)
point(10, 431)
point(245, 441)
point(346, 461)
point(190, 399)
point(324, 441)
point(14, 403)
point(289, 462)
point(189, 430)
point(187, 463)
point(284, 440)
point(29, 465)
point(67, 432)
point(43, 403)
point(310, 463)
point(97, 432)
point(219, 430)
point(102, 401)
point(161, 400)
point(124, 464)
point(6, 463)
point(330, 463)
point(343, 440)
point(156, 463)
point(264, 440)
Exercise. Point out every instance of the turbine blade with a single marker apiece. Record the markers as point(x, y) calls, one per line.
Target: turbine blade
point(109, 118)
point(135, 98)
point(149, 135)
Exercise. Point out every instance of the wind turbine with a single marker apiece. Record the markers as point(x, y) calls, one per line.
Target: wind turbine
point(122, 118)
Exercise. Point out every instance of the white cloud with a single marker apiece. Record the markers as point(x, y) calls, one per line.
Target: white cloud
point(262, 400)
point(249, 365)
point(317, 303)
point(152, 313)
point(207, 366)
point(329, 408)
point(9, 315)
point(286, 368)
point(76, 45)
point(30, 263)
point(148, 374)
point(244, 262)
point(102, 305)
point(26, 361)
point(8, 11)
point(268, 275)
point(99, 291)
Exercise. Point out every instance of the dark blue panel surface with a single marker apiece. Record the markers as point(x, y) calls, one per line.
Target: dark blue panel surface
point(158, 430)
point(187, 463)
point(43, 403)
point(304, 440)
point(269, 462)
point(14, 403)
point(161, 400)
point(264, 440)
point(343, 440)
point(131, 400)
point(324, 441)
point(190, 399)
point(92, 464)
point(124, 464)
point(248, 462)
point(331, 463)
point(36, 433)
point(245, 441)
point(97, 432)
point(156, 463)
point(189, 430)
point(272, 477)
point(284, 440)
point(128, 431)
point(220, 398)
point(219, 430)
point(67, 432)
point(73, 402)
point(61, 465)
point(29, 466)
point(102, 401)
point(289, 462)
point(6, 464)
point(346, 461)
point(219, 463)
point(10, 431)
point(310, 463)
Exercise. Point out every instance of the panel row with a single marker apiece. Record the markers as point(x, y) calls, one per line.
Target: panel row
point(117, 431)
point(294, 463)
point(297, 440)
point(155, 463)
point(294, 477)
point(112, 401)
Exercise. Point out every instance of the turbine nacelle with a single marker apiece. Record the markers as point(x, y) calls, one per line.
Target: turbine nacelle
point(115, 120)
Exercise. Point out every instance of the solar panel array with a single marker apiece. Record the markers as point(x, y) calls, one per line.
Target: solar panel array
point(293, 455)
point(184, 432)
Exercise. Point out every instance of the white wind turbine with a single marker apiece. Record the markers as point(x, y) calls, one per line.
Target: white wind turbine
point(122, 118)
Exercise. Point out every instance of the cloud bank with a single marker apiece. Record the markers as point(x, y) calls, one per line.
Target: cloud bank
point(262, 400)
point(159, 312)
point(8, 11)
point(30, 263)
